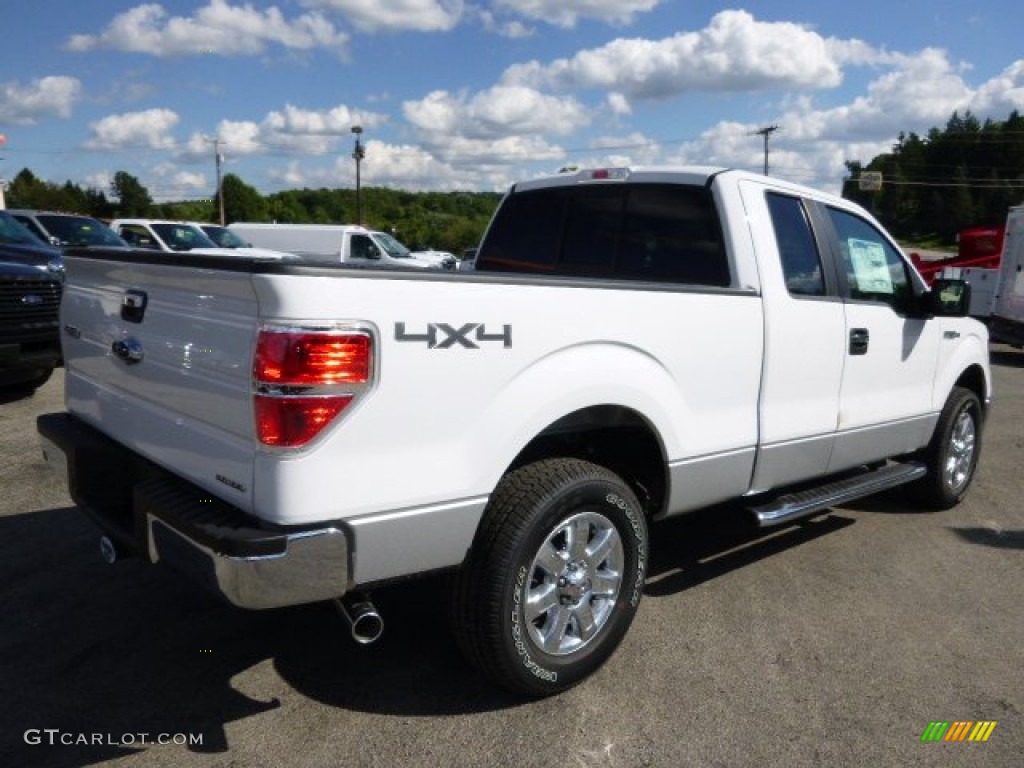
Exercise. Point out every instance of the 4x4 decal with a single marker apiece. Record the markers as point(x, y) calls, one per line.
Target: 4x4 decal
point(445, 336)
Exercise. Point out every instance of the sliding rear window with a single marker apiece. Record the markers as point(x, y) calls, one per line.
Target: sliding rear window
point(651, 232)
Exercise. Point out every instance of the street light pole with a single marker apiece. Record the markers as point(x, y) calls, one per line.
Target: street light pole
point(358, 154)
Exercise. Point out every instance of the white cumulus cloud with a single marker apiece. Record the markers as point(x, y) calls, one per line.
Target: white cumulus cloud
point(218, 29)
point(497, 112)
point(291, 130)
point(53, 96)
point(396, 15)
point(149, 129)
point(735, 52)
point(566, 13)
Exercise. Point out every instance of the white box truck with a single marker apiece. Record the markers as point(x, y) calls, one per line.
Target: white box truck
point(1007, 322)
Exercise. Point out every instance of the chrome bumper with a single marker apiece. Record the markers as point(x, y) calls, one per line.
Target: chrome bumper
point(147, 510)
point(313, 566)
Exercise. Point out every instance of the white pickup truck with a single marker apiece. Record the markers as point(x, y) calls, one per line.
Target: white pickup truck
point(632, 345)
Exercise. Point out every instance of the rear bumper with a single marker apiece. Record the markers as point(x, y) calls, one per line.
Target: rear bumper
point(145, 509)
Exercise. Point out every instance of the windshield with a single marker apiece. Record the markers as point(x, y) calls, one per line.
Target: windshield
point(224, 237)
point(13, 231)
point(182, 237)
point(80, 230)
point(394, 248)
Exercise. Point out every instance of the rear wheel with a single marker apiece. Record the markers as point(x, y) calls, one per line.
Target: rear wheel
point(952, 455)
point(554, 577)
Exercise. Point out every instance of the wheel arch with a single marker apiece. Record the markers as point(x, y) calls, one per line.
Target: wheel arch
point(613, 436)
point(974, 379)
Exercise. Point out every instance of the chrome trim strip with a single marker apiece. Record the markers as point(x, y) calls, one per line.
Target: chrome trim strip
point(703, 480)
point(414, 540)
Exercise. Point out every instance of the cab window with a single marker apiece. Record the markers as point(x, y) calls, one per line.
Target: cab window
point(798, 251)
point(874, 269)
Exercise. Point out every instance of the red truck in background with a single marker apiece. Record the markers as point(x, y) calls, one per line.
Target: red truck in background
point(978, 248)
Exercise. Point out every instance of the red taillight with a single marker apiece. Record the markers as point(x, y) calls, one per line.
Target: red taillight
point(313, 358)
point(292, 421)
point(304, 379)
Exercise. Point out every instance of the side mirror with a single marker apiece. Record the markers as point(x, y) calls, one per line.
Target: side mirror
point(373, 252)
point(948, 297)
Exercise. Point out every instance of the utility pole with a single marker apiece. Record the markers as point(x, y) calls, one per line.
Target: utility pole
point(220, 178)
point(358, 154)
point(766, 132)
point(218, 158)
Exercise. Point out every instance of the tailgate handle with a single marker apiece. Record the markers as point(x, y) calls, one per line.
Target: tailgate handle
point(128, 350)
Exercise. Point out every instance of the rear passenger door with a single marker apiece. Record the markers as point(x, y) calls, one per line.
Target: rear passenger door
point(805, 327)
point(891, 354)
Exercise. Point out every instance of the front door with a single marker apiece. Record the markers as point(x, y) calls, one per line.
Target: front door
point(891, 356)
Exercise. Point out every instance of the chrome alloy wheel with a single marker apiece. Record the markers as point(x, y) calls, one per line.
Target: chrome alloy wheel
point(960, 456)
point(573, 583)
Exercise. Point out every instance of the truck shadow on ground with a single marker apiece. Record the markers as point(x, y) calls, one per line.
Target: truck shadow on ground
point(709, 543)
point(88, 648)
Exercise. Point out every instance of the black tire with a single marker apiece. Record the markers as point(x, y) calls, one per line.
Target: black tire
point(952, 454)
point(30, 384)
point(532, 543)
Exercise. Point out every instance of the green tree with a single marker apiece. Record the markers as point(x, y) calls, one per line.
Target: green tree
point(133, 198)
point(241, 201)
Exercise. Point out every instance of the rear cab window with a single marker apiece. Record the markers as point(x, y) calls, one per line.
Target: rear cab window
point(640, 232)
point(798, 250)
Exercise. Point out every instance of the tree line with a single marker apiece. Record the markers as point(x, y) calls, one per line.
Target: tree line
point(448, 221)
point(964, 175)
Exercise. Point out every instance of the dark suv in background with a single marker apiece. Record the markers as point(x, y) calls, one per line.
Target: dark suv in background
point(67, 229)
point(31, 279)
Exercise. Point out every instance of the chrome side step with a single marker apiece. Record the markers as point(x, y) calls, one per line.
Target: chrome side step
point(803, 503)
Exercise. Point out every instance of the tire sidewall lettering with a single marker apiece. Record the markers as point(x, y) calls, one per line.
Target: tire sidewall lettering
point(638, 528)
point(517, 632)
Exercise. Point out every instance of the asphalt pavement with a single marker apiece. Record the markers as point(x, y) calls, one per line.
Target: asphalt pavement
point(832, 643)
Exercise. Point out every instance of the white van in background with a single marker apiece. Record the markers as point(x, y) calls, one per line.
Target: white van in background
point(1007, 321)
point(348, 244)
point(182, 236)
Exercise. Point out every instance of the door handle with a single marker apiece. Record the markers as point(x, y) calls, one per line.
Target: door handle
point(859, 341)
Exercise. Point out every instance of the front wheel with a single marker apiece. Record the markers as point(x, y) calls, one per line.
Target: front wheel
point(554, 577)
point(952, 454)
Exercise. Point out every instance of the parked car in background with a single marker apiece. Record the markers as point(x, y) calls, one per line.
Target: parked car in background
point(19, 245)
point(68, 229)
point(181, 237)
point(225, 238)
point(468, 260)
point(168, 236)
point(29, 324)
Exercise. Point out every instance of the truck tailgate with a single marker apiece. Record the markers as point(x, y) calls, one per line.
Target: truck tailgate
point(159, 354)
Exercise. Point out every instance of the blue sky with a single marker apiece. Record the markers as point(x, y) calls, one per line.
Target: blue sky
point(454, 94)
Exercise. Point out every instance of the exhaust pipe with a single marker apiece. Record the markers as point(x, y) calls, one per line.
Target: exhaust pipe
point(362, 617)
